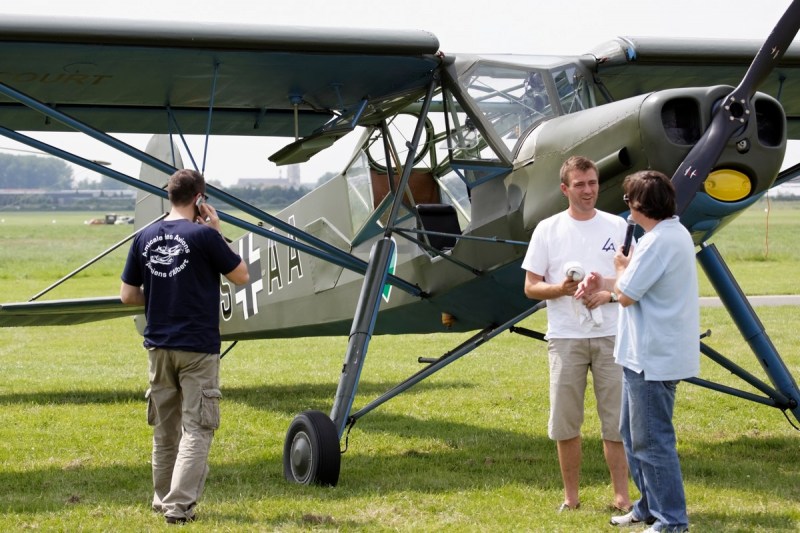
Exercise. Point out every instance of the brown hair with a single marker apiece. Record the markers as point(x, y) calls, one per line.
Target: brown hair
point(184, 185)
point(652, 193)
point(579, 163)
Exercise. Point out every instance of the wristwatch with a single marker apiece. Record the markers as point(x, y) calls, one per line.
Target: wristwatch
point(614, 297)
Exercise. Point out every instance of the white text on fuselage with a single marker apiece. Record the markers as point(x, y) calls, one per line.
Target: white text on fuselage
point(274, 274)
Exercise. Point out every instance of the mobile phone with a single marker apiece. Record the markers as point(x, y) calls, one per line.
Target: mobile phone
point(200, 201)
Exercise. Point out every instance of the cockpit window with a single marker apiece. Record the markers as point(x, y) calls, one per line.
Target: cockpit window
point(512, 99)
point(515, 98)
point(574, 92)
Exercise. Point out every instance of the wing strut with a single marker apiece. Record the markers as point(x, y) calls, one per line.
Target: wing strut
point(786, 394)
point(370, 298)
point(318, 246)
point(328, 431)
point(323, 251)
point(210, 113)
point(94, 259)
point(437, 364)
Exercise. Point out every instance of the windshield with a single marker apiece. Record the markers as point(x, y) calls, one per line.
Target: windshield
point(515, 98)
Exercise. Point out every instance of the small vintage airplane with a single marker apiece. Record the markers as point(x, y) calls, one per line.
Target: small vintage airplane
point(425, 228)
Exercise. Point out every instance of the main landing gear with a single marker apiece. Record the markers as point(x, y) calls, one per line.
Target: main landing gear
point(311, 450)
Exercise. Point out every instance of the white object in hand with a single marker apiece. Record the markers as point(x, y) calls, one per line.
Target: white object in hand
point(574, 270)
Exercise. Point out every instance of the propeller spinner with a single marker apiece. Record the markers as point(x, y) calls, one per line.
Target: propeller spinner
point(735, 111)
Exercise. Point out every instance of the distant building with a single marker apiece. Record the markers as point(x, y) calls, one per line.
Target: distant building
point(292, 179)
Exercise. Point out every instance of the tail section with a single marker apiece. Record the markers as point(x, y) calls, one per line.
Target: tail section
point(148, 206)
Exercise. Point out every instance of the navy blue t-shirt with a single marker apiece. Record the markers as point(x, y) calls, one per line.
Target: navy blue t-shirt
point(179, 263)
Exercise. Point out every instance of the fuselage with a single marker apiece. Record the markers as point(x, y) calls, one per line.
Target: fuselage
point(497, 134)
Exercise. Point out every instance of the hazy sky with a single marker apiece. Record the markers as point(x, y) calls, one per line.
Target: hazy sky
point(498, 26)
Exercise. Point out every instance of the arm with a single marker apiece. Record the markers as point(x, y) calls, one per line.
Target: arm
point(620, 264)
point(131, 295)
point(537, 289)
point(239, 275)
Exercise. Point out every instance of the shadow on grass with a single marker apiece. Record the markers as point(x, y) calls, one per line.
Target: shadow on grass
point(73, 397)
point(436, 456)
point(457, 456)
point(453, 457)
point(284, 398)
point(745, 521)
point(769, 465)
point(487, 460)
point(294, 398)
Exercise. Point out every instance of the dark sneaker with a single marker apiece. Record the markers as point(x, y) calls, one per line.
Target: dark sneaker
point(179, 520)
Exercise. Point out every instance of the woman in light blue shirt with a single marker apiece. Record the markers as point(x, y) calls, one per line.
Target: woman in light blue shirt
point(658, 344)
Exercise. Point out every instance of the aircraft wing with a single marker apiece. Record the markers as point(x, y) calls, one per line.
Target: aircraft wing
point(629, 66)
point(129, 76)
point(65, 312)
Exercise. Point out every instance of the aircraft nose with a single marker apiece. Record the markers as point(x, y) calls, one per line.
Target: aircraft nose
point(672, 121)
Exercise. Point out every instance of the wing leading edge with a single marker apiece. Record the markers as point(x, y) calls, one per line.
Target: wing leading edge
point(65, 312)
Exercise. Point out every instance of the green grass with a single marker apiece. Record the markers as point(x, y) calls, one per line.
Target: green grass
point(464, 451)
point(761, 248)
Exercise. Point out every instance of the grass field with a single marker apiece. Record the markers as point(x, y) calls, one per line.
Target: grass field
point(464, 451)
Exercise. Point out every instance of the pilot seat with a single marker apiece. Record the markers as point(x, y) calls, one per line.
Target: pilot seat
point(441, 218)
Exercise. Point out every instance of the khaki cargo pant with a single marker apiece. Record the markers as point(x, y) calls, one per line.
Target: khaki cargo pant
point(183, 408)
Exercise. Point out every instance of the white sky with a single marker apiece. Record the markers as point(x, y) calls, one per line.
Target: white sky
point(488, 26)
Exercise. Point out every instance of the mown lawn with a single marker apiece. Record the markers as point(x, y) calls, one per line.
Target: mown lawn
point(466, 450)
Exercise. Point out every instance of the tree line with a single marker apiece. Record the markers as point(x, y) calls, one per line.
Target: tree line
point(34, 172)
point(53, 174)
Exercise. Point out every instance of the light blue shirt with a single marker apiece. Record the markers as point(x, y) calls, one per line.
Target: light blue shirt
point(660, 333)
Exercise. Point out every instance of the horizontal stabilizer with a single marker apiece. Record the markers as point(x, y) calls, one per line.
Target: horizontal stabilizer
point(65, 312)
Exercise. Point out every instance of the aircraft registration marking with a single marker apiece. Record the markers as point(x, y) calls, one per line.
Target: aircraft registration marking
point(61, 78)
point(247, 295)
point(252, 258)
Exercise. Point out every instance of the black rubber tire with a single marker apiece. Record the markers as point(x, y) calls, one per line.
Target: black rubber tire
point(311, 450)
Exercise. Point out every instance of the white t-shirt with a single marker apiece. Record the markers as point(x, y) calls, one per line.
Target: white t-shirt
point(561, 239)
point(660, 333)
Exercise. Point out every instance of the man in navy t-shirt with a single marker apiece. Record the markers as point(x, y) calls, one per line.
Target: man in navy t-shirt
point(173, 269)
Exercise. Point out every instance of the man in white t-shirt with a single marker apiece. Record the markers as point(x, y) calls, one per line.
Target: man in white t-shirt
point(580, 332)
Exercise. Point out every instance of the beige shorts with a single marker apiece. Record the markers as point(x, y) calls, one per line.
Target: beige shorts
point(570, 362)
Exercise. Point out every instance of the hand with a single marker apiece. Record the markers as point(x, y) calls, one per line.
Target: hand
point(621, 261)
point(208, 216)
point(592, 301)
point(590, 285)
point(569, 286)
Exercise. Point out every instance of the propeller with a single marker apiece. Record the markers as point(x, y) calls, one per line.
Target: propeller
point(735, 110)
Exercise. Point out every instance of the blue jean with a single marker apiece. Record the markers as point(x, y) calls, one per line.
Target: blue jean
point(649, 439)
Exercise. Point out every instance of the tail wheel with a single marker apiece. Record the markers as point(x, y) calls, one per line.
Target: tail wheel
point(311, 450)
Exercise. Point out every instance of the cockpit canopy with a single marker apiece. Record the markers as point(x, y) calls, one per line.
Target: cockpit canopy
point(513, 94)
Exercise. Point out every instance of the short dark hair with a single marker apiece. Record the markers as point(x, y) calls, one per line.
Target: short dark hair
point(652, 193)
point(579, 163)
point(184, 185)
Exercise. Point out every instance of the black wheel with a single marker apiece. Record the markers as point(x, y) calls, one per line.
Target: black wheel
point(311, 450)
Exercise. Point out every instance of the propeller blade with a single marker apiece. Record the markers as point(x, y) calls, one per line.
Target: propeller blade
point(735, 111)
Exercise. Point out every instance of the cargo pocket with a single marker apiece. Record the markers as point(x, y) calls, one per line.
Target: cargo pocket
point(209, 408)
point(151, 409)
